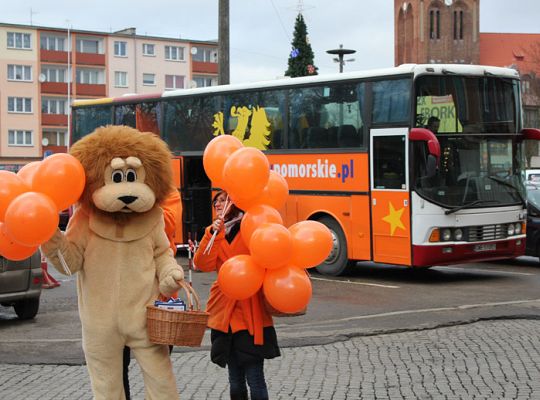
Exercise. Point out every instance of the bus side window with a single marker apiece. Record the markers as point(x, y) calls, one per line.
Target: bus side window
point(347, 136)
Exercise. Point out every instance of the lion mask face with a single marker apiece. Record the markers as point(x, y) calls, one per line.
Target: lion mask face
point(125, 190)
point(127, 171)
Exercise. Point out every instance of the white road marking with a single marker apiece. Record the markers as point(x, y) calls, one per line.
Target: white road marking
point(355, 283)
point(424, 310)
point(484, 270)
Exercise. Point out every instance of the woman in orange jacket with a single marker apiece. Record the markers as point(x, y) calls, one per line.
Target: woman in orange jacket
point(242, 331)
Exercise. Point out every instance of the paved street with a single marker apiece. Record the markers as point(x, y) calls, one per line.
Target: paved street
point(496, 359)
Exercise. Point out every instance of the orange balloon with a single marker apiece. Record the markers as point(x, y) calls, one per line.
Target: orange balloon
point(312, 243)
point(271, 246)
point(245, 173)
point(255, 217)
point(31, 219)
point(13, 250)
point(274, 194)
point(11, 186)
point(216, 153)
point(61, 177)
point(27, 172)
point(240, 277)
point(287, 289)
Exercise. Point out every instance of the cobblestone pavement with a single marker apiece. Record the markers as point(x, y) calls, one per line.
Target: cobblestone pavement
point(497, 359)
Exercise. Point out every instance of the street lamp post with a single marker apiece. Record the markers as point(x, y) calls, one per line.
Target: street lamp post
point(340, 53)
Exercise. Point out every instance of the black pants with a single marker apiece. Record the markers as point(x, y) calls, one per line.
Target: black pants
point(126, 356)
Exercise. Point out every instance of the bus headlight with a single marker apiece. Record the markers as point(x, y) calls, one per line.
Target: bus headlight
point(510, 230)
point(458, 234)
point(446, 235)
point(517, 228)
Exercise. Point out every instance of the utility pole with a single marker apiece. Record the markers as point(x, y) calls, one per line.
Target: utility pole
point(223, 43)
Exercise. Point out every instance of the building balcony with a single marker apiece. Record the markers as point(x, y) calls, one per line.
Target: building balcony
point(54, 119)
point(54, 149)
point(90, 59)
point(84, 89)
point(53, 56)
point(204, 67)
point(54, 88)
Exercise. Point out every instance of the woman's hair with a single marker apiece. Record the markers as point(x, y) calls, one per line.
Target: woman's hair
point(233, 210)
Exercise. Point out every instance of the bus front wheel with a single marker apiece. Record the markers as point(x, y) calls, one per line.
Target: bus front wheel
point(337, 262)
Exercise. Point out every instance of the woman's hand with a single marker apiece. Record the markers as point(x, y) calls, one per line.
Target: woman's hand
point(217, 225)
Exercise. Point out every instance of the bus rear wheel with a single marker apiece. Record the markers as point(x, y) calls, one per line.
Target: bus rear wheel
point(337, 262)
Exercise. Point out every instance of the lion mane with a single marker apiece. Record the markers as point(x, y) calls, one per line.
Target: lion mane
point(96, 150)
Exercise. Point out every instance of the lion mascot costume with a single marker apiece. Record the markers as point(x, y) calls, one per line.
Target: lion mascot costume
point(116, 243)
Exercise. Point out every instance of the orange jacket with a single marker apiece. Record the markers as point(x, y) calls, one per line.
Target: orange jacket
point(225, 312)
point(172, 207)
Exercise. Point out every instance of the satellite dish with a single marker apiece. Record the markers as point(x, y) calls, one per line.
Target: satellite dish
point(45, 141)
point(42, 78)
point(192, 84)
point(194, 50)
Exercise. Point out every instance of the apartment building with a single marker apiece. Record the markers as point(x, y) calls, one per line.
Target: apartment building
point(43, 69)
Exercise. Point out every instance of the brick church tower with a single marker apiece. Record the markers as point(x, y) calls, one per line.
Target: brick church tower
point(436, 31)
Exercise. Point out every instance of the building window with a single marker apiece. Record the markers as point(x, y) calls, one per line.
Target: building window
point(204, 81)
point(120, 79)
point(174, 53)
point(90, 45)
point(19, 73)
point(20, 138)
point(120, 49)
point(55, 137)
point(18, 40)
point(51, 42)
point(174, 82)
point(434, 24)
point(205, 54)
point(149, 79)
point(53, 106)
point(148, 49)
point(458, 25)
point(20, 105)
point(55, 74)
point(90, 76)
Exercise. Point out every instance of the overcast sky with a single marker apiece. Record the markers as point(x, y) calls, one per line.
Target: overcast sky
point(261, 30)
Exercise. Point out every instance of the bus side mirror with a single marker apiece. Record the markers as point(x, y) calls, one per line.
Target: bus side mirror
point(530, 133)
point(434, 148)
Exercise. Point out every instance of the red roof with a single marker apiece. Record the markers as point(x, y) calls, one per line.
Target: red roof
point(519, 50)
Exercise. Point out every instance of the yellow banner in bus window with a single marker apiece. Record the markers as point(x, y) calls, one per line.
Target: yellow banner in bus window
point(240, 118)
point(441, 107)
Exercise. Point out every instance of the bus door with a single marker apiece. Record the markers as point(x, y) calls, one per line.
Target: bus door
point(196, 198)
point(390, 203)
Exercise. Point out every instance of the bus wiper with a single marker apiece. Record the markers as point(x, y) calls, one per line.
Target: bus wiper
point(505, 183)
point(467, 205)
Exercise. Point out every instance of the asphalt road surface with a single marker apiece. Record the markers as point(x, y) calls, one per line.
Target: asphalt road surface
point(372, 299)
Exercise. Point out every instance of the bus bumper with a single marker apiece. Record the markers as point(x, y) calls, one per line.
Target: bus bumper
point(449, 253)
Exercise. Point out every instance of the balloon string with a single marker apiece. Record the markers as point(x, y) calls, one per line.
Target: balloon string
point(63, 262)
point(224, 212)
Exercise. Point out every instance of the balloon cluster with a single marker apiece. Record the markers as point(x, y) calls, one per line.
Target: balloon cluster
point(278, 256)
point(31, 199)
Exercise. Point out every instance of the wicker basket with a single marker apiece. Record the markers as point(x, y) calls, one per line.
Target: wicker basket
point(178, 328)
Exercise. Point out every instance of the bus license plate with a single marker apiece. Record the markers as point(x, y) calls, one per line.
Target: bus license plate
point(485, 247)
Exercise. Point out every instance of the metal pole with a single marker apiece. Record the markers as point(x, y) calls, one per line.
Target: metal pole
point(223, 43)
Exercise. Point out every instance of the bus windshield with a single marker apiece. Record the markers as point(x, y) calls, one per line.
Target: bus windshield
point(474, 119)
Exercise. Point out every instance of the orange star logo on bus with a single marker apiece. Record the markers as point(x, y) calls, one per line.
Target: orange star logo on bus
point(394, 218)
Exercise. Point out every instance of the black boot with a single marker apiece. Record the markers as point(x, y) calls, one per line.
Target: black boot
point(239, 396)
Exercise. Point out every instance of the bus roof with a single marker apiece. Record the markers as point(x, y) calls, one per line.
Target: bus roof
point(404, 69)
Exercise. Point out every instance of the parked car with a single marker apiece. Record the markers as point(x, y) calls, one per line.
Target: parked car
point(533, 220)
point(20, 285)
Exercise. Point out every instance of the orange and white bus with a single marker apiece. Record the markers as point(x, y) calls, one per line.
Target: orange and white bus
point(358, 156)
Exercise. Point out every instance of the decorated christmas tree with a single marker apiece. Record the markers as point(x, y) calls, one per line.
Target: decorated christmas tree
point(301, 57)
